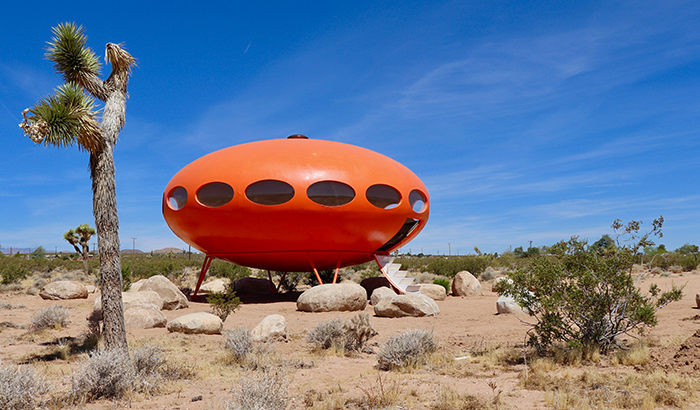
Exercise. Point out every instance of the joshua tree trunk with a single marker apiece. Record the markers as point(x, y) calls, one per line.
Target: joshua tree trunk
point(104, 207)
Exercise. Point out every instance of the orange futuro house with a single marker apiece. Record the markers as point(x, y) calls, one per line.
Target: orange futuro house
point(296, 205)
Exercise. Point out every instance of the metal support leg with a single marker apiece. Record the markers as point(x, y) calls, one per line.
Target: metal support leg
point(272, 284)
point(337, 269)
point(318, 277)
point(205, 268)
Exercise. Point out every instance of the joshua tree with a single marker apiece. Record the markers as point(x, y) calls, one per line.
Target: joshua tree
point(81, 235)
point(69, 117)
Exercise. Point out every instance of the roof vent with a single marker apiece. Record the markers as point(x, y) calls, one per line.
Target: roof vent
point(297, 137)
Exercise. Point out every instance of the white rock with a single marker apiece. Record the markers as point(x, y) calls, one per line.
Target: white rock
point(136, 286)
point(135, 298)
point(406, 305)
point(465, 284)
point(272, 328)
point(506, 304)
point(380, 293)
point(433, 291)
point(143, 316)
point(200, 322)
point(91, 288)
point(173, 299)
point(214, 286)
point(333, 298)
point(370, 284)
point(64, 289)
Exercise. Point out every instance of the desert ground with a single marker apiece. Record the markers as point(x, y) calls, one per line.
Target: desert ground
point(481, 354)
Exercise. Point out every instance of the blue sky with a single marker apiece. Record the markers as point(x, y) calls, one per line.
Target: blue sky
point(527, 121)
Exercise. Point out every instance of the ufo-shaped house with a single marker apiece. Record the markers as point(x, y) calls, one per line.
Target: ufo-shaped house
point(297, 205)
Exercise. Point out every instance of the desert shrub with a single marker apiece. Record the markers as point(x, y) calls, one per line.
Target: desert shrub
point(224, 269)
point(290, 280)
point(325, 275)
point(266, 390)
point(127, 278)
point(224, 303)
point(445, 283)
point(55, 316)
point(687, 249)
point(149, 365)
point(239, 343)
point(104, 373)
point(488, 274)
point(13, 271)
point(352, 335)
point(21, 388)
point(407, 349)
point(584, 298)
point(326, 334)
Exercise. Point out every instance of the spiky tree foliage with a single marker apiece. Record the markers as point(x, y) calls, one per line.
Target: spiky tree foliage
point(81, 235)
point(68, 118)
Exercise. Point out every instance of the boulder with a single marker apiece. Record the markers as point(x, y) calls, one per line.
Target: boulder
point(506, 304)
point(136, 286)
point(381, 293)
point(465, 284)
point(64, 289)
point(252, 286)
point(135, 298)
point(91, 288)
point(499, 280)
point(214, 286)
point(333, 298)
point(272, 328)
point(370, 284)
point(406, 305)
point(433, 291)
point(173, 299)
point(200, 322)
point(143, 316)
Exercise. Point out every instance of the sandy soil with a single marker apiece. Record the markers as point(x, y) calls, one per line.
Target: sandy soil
point(464, 323)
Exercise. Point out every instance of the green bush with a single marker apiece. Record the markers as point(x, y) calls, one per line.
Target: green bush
point(445, 283)
point(224, 269)
point(224, 303)
point(584, 298)
point(12, 271)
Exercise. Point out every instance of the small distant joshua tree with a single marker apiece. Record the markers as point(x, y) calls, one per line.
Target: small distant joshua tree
point(81, 235)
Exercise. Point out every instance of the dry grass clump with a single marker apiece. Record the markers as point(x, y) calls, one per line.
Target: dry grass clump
point(55, 316)
point(104, 373)
point(382, 394)
point(239, 343)
point(636, 355)
point(21, 389)
point(448, 399)
point(406, 350)
point(265, 390)
point(350, 336)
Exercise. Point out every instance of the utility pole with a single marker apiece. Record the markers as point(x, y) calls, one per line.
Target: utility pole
point(449, 249)
point(133, 246)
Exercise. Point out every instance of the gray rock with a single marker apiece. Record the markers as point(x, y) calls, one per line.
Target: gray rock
point(143, 316)
point(64, 289)
point(433, 291)
point(465, 284)
point(333, 298)
point(272, 328)
point(135, 298)
point(381, 293)
point(200, 322)
point(370, 284)
point(252, 286)
point(406, 305)
point(173, 299)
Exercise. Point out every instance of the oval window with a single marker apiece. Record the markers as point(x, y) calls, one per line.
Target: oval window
point(269, 192)
point(330, 193)
point(383, 196)
point(417, 200)
point(177, 198)
point(215, 194)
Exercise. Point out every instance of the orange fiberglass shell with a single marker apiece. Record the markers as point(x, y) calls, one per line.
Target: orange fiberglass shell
point(295, 204)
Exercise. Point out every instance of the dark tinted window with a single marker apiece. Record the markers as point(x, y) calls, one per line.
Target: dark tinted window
point(177, 198)
point(417, 200)
point(383, 196)
point(330, 193)
point(269, 192)
point(215, 194)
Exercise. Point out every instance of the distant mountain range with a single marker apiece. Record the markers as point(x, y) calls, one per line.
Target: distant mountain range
point(13, 250)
